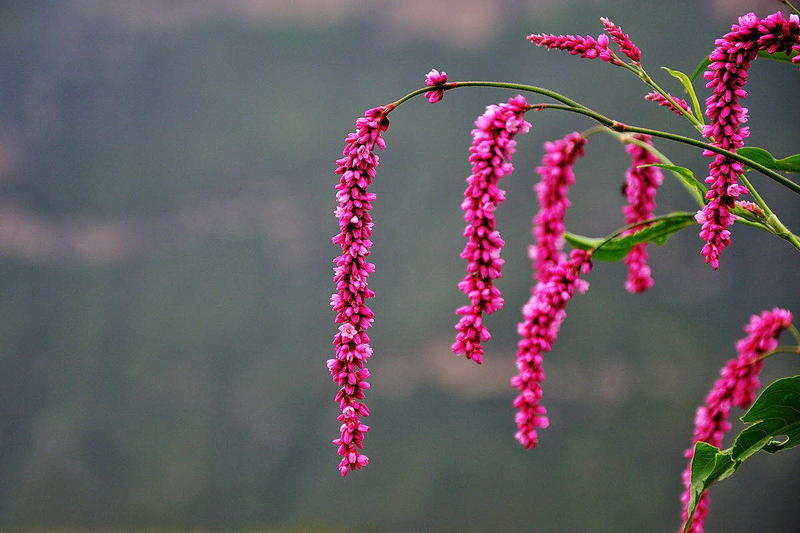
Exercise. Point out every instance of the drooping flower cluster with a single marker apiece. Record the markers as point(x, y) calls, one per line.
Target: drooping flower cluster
point(490, 155)
point(727, 75)
point(736, 387)
point(347, 369)
point(622, 39)
point(586, 46)
point(663, 102)
point(641, 185)
point(557, 280)
point(543, 315)
point(557, 177)
point(433, 79)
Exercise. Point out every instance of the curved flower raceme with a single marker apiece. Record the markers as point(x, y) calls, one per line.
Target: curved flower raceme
point(585, 46)
point(492, 147)
point(622, 39)
point(663, 102)
point(557, 280)
point(557, 177)
point(736, 386)
point(641, 185)
point(356, 170)
point(727, 75)
point(432, 79)
point(542, 318)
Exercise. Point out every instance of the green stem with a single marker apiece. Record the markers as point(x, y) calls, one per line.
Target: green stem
point(773, 223)
point(788, 4)
point(618, 126)
point(630, 139)
point(575, 107)
point(781, 349)
point(794, 332)
point(595, 129)
point(498, 84)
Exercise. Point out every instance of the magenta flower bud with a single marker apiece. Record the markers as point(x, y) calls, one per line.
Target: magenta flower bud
point(623, 40)
point(736, 387)
point(432, 79)
point(727, 75)
point(641, 185)
point(492, 148)
point(663, 102)
point(356, 170)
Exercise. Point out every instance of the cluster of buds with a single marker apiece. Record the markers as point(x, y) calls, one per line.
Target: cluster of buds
point(490, 154)
point(592, 47)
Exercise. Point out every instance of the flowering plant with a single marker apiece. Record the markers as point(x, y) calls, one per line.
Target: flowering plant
point(559, 275)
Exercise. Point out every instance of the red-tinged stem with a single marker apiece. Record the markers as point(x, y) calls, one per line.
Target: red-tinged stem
point(570, 105)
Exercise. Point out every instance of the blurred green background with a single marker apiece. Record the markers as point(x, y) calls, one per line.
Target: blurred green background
point(165, 214)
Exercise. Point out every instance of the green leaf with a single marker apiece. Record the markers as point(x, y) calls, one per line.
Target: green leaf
point(775, 413)
point(685, 175)
point(618, 247)
point(689, 88)
point(759, 155)
point(700, 68)
point(709, 465)
point(780, 57)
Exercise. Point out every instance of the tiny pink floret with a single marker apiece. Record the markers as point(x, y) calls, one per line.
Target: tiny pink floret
point(490, 154)
point(736, 387)
point(352, 350)
point(432, 79)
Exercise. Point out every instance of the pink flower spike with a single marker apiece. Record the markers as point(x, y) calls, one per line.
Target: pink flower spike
point(587, 47)
point(490, 154)
point(557, 177)
point(641, 185)
point(542, 318)
point(663, 102)
point(356, 170)
point(736, 387)
point(753, 208)
point(432, 79)
point(727, 76)
point(623, 40)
